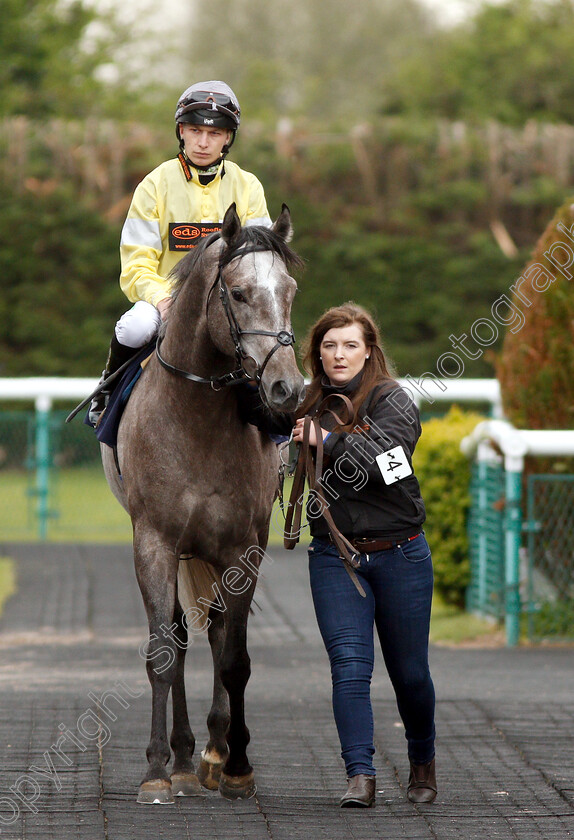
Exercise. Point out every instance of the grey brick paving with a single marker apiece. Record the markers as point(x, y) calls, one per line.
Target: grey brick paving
point(505, 722)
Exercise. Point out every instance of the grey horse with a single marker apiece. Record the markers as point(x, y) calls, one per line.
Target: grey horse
point(199, 483)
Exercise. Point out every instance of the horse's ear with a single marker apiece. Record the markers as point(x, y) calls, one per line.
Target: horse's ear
point(231, 225)
point(283, 226)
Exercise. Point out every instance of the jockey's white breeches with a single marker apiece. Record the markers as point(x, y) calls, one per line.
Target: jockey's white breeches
point(138, 325)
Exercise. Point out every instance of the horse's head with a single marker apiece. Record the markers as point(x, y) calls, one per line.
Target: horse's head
point(256, 292)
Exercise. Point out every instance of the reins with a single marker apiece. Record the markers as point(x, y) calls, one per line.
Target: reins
point(310, 469)
point(283, 338)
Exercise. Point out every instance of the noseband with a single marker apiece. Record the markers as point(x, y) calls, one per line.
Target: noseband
point(283, 338)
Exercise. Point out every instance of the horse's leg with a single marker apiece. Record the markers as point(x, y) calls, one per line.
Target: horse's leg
point(237, 779)
point(215, 753)
point(156, 571)
point(184, 781)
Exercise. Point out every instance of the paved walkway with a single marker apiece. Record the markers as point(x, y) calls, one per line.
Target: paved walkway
point(505, 719)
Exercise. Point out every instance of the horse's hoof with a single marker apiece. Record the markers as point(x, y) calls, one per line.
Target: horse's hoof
point(237, 787)
point(156, 792)
point(185, 784)
point(209, 771)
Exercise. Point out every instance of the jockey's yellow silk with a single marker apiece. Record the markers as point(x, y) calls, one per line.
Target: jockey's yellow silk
point(166, 203)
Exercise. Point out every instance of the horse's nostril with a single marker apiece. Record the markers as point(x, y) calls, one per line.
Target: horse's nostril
point(280, 391)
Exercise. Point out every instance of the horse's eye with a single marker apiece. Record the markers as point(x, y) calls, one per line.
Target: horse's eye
point(237, 295)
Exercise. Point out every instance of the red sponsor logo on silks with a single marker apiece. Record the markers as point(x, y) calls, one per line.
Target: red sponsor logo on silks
point(186, 232)
point(184, 236)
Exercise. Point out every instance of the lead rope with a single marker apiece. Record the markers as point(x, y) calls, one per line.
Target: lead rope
point(311, 470)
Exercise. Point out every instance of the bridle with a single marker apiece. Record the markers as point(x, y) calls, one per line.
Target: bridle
point(283, 338)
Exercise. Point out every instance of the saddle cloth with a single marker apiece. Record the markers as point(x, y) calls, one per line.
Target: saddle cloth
point(108, 424)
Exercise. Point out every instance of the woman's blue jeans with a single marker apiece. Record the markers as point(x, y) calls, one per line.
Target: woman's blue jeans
point(398, 585)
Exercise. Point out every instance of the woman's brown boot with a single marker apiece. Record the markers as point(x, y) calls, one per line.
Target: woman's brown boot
point(360, 792)
point(422, 783)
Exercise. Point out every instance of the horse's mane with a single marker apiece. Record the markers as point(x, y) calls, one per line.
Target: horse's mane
point(256, 236)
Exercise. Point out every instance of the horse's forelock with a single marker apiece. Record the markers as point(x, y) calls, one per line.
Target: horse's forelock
point(264, 239)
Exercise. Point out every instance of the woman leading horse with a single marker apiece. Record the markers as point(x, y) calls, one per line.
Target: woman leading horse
point(372, 515)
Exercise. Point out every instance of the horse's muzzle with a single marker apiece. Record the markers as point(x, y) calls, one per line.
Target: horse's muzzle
point(285, 396)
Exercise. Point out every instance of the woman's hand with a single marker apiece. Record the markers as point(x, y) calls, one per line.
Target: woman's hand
point(298, 432)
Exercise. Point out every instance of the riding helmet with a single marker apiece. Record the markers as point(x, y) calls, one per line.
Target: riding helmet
point(210, 103)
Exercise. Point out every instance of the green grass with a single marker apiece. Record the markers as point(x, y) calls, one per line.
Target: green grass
point(453, 626)
point(7, 580)
point(83, 508)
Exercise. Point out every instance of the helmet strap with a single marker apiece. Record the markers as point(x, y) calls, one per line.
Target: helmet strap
point(227, 147)
point(203, 172)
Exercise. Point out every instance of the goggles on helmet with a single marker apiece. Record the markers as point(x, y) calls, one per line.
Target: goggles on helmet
point(203, 99)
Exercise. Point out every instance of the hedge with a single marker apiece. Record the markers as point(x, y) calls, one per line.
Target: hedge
point(444, 475)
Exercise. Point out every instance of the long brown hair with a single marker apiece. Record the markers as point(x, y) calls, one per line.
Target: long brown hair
point(378, 369)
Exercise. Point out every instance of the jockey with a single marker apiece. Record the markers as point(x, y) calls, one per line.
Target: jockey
point(180, 202)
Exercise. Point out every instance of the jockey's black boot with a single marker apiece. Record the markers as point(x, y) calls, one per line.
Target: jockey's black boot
point(117, 356)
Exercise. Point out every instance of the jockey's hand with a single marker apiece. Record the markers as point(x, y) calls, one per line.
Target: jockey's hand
point(298, 432)
point(163, 307)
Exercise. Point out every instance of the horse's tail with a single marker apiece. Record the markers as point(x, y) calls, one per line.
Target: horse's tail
point(198, 586)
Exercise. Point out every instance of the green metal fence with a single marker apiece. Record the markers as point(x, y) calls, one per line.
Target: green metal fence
point(550, 506)
point(52, 484)
point(486, 592)
point(544, 594)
